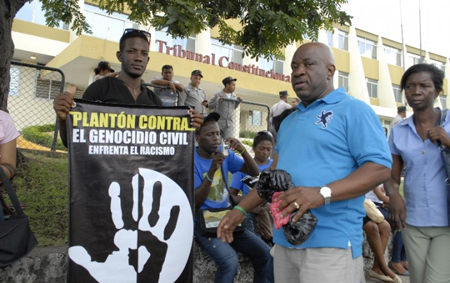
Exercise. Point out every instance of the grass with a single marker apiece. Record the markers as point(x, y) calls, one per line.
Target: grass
point(247, 134)
point(248, 142)
point(41, 184)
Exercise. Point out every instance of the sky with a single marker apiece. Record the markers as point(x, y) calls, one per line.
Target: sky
point(384, 17)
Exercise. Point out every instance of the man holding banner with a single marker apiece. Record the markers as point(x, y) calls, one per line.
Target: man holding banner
point(131, 207)
point(126, 88)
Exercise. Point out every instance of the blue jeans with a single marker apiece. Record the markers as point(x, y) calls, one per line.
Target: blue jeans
point(226, 258)
point(398, 250)
point(250, 223)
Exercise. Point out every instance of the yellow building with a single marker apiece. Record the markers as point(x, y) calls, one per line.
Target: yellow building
point(368, 65)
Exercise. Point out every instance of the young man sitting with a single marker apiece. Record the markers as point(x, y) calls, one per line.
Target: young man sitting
point(210, 192)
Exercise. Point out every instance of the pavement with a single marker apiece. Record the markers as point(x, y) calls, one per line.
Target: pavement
point(405, 279)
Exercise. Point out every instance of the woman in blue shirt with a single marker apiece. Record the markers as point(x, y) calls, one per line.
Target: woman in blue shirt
point(413, 142)
point(259, 220)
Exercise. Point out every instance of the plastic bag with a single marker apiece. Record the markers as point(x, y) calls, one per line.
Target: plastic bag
point(272, 181)
point(298, 232)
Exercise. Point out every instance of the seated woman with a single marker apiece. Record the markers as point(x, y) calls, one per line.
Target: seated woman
point(399, 263)
point(8, 136)
point(378, 235)
point(259, 220)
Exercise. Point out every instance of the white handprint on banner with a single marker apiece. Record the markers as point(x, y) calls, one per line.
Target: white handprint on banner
point(166, 221)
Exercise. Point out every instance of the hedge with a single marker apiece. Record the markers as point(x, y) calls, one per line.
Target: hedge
point(39, 135)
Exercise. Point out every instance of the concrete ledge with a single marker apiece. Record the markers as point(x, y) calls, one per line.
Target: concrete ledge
point(49, 265)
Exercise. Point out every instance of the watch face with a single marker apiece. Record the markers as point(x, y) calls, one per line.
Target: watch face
point(325, 191)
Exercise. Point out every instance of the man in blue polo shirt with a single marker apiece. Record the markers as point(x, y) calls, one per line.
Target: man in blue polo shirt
point(335, 150)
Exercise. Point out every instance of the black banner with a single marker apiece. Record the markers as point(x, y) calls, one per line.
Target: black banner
point(131, 193)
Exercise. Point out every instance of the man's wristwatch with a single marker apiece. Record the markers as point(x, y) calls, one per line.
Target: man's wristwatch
point(326, 193)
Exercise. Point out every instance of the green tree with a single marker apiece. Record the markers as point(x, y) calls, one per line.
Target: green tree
point(267, 25)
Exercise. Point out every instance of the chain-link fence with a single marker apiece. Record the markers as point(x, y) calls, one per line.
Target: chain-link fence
point(33, 88)
point(248, 119)
point(253, 117)
point(30, 103)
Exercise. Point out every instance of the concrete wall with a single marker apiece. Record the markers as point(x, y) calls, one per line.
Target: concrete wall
point(49, 265)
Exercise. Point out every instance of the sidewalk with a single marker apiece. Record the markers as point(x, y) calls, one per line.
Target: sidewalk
point(405, 279)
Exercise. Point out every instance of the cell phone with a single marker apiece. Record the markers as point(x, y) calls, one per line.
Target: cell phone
point(225, 149)
point(250, 181)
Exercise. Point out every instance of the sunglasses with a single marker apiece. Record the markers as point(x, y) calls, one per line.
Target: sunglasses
point(132, 30)
point(261, 133)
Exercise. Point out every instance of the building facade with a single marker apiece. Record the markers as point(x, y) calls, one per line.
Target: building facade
point(369, 66)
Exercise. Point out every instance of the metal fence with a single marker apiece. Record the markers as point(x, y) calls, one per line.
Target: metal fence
point(33, 88)
point(167, 96)
point(30, 103)
point(249, 118)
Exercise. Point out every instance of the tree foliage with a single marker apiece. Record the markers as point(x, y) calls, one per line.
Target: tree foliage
point(266, 25)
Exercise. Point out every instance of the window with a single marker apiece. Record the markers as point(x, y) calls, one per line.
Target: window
point(265, 64)
point(413, 59)
point(443, 100)
point(440, 65)
point(343, 80)
point(278, 67)
point(393, 55)
point(79, 92)
point(397, 93)
point(233, 52)
point(46, 88)
point(269, 64)
point(330, 37)
point(14, 72)
point(32, 12)
point(343, 40)
point(367, 47)
point(105, 26)
point(254, 118)
point(372, 87)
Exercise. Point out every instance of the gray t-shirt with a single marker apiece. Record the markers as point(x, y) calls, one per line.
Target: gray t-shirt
point(194, 97)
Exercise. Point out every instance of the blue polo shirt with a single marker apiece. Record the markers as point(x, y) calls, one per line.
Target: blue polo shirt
point(424, 189)
point(218, 196)
point(325, 142)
